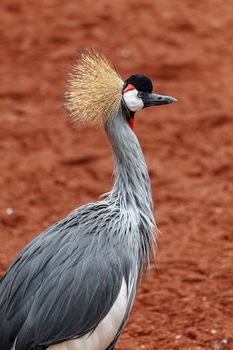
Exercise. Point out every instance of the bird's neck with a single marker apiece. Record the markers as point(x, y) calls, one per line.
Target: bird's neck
point(131, 190)
point(132, 184)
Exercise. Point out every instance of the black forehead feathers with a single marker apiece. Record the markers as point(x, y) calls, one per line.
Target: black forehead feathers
point(140, 82)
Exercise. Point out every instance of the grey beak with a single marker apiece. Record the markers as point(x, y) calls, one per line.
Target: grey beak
point(156, 100)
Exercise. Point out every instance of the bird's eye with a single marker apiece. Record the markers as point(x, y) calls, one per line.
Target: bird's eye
point(140, 94)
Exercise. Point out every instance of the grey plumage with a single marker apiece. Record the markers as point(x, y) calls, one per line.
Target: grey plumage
point(75, 283)
point(71, 274)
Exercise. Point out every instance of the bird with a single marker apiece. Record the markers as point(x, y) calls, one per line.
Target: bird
point(73, 286)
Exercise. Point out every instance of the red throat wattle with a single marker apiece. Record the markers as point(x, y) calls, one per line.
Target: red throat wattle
point(130, 87)
point(131, 123)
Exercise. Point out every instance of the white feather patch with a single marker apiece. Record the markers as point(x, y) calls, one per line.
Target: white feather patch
point(105, 332)
point(133, 102)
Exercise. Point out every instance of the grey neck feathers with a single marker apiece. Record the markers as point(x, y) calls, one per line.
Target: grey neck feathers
point(132, 183)
point(132, 189)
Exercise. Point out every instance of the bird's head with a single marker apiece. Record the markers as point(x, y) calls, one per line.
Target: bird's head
point(137, 94)
point(97, 92)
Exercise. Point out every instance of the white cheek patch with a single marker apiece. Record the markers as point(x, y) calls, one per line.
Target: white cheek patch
point(133, 102)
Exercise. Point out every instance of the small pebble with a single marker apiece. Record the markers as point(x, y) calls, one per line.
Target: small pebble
point(9, 211)
point(220, 345)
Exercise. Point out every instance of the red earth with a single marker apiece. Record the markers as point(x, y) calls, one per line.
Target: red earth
point(49, 167)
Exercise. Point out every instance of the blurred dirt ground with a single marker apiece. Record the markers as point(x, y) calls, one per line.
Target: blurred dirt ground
point(48, 166)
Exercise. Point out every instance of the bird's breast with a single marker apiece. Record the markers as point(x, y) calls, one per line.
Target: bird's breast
point(106, 330)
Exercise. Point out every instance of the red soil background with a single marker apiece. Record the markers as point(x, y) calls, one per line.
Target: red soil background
point(49, 167)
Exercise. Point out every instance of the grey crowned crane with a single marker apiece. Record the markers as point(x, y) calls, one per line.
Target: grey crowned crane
point(72, 287)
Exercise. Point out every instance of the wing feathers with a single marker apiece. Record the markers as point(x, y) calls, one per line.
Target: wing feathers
point(63, 284)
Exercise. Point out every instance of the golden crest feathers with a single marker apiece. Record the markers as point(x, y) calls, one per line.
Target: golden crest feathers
point(94, 89)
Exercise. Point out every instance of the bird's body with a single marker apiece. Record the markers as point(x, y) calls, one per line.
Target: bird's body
point(72, 287)
point(106, 330)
